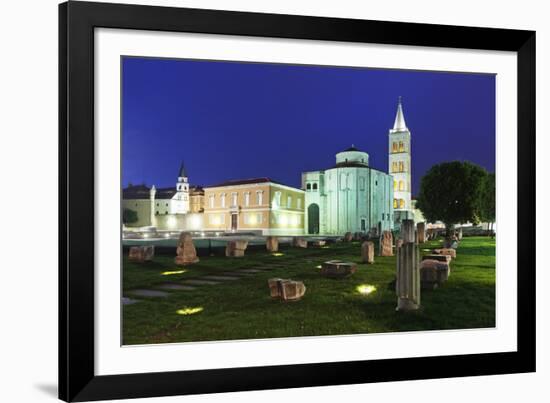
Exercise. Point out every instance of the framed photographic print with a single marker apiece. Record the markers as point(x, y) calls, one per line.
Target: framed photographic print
point(258, 201)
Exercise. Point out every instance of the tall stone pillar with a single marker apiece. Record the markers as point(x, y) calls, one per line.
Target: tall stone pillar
point(407, 284)
point(407, 231)
point(421, 232)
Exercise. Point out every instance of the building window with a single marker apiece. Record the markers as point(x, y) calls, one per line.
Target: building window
point(394, 147)
point(223, 200)
point(394, 166)
point(289, 202)
point(211, 199)
point(156, 213)
point(247, 199)
point(394, 203)
point(157, 204)
point(308, 186)
point(375, 183)
point(401, 203)
point(401, 147)
point(277, 200)
point(234, 199)
point(401, 186)
point(299, 203)
point(394, 185)
point(401, 166)
point(260, 197)
point(315, 186)
point(166, 213)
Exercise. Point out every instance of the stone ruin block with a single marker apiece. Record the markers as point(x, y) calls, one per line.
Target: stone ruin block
point(440, 258)
point(286, 289)
point(386, 244)
point(348, 237)
point(272, 243)
point(407, 285)
point(398, 243)
point(421, 232)
point(235, 248)
point(319, 243)
point(141, 254)
point(367, 252)
point(299, 242)
point(338, 269)
point(433, 273)
point(446, 251)
point(358, 236)
point(186, 252)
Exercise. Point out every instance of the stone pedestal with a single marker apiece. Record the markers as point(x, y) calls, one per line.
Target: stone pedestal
point(367, 252)
point(386, 244)
point(446, 251)
point(421, 232)
point(141, 254)
point(186, 252)
point(235, 248)
point(272, 243)
point(408, 277)
point(438, 257)
point(298, 242)
point(286, 290)
point(337, 269)
point(348, 237)
point(433, 273)
point(407, 231)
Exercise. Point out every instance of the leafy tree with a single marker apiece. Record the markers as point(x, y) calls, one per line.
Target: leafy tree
point(488, 197)
point(129, 216)
point(451, 192)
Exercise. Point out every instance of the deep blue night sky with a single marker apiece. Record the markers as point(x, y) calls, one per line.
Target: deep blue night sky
point(243, 120)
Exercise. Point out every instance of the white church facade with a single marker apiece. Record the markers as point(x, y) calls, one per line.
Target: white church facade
point(351, 196)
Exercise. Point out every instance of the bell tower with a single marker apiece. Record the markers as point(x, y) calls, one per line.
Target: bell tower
point(399, 164)
point(180, 201)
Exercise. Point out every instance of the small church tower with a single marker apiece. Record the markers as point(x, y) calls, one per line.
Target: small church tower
point(399, 165)
point(180, 201)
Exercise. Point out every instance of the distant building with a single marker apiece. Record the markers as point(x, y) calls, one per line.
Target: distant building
point(166, 208)
point(348, 197)
point(254, 205)
point(399, 166)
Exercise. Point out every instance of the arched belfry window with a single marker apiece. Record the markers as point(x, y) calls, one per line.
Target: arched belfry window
point(401, 203)
point(394, 203)
point(401, 147)
point(314, 186)
point(401, 185)
point(308, 186)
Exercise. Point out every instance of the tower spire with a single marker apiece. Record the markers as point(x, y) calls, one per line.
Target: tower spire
point(182, 173)
point(399, 123)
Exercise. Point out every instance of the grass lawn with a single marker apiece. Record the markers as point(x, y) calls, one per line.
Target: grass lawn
point(243, 309)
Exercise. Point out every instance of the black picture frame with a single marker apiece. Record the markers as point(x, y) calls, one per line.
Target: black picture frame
point(77, 21)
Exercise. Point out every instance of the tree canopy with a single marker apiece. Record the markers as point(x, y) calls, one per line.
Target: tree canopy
point(129, 216)
point(453, 192)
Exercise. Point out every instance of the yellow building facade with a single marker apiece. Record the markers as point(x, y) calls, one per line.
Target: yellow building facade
point(254, 205)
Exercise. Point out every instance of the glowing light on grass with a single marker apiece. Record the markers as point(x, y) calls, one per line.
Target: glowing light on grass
point(169, 273)
point(189, 311)
point(318, 267)
point(365, 289)
point(277, 254)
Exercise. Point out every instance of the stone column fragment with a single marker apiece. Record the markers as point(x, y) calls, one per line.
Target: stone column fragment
point(407, 284)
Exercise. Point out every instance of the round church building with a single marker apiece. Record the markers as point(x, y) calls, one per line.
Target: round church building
point(348, 197)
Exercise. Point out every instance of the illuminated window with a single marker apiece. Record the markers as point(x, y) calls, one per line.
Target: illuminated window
point(247, 199)
point(299, 203)
point(211, 199)
point(394, 167)
point(233, 199)
point(288, 201)
point(394, 203)
point(401, 203)
point(277, 199)
point(394, 185)
point(259, 197)
point(401, 166)
point(401, 147)
point(394, 147)
point(223, 199)
point(401, 185)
